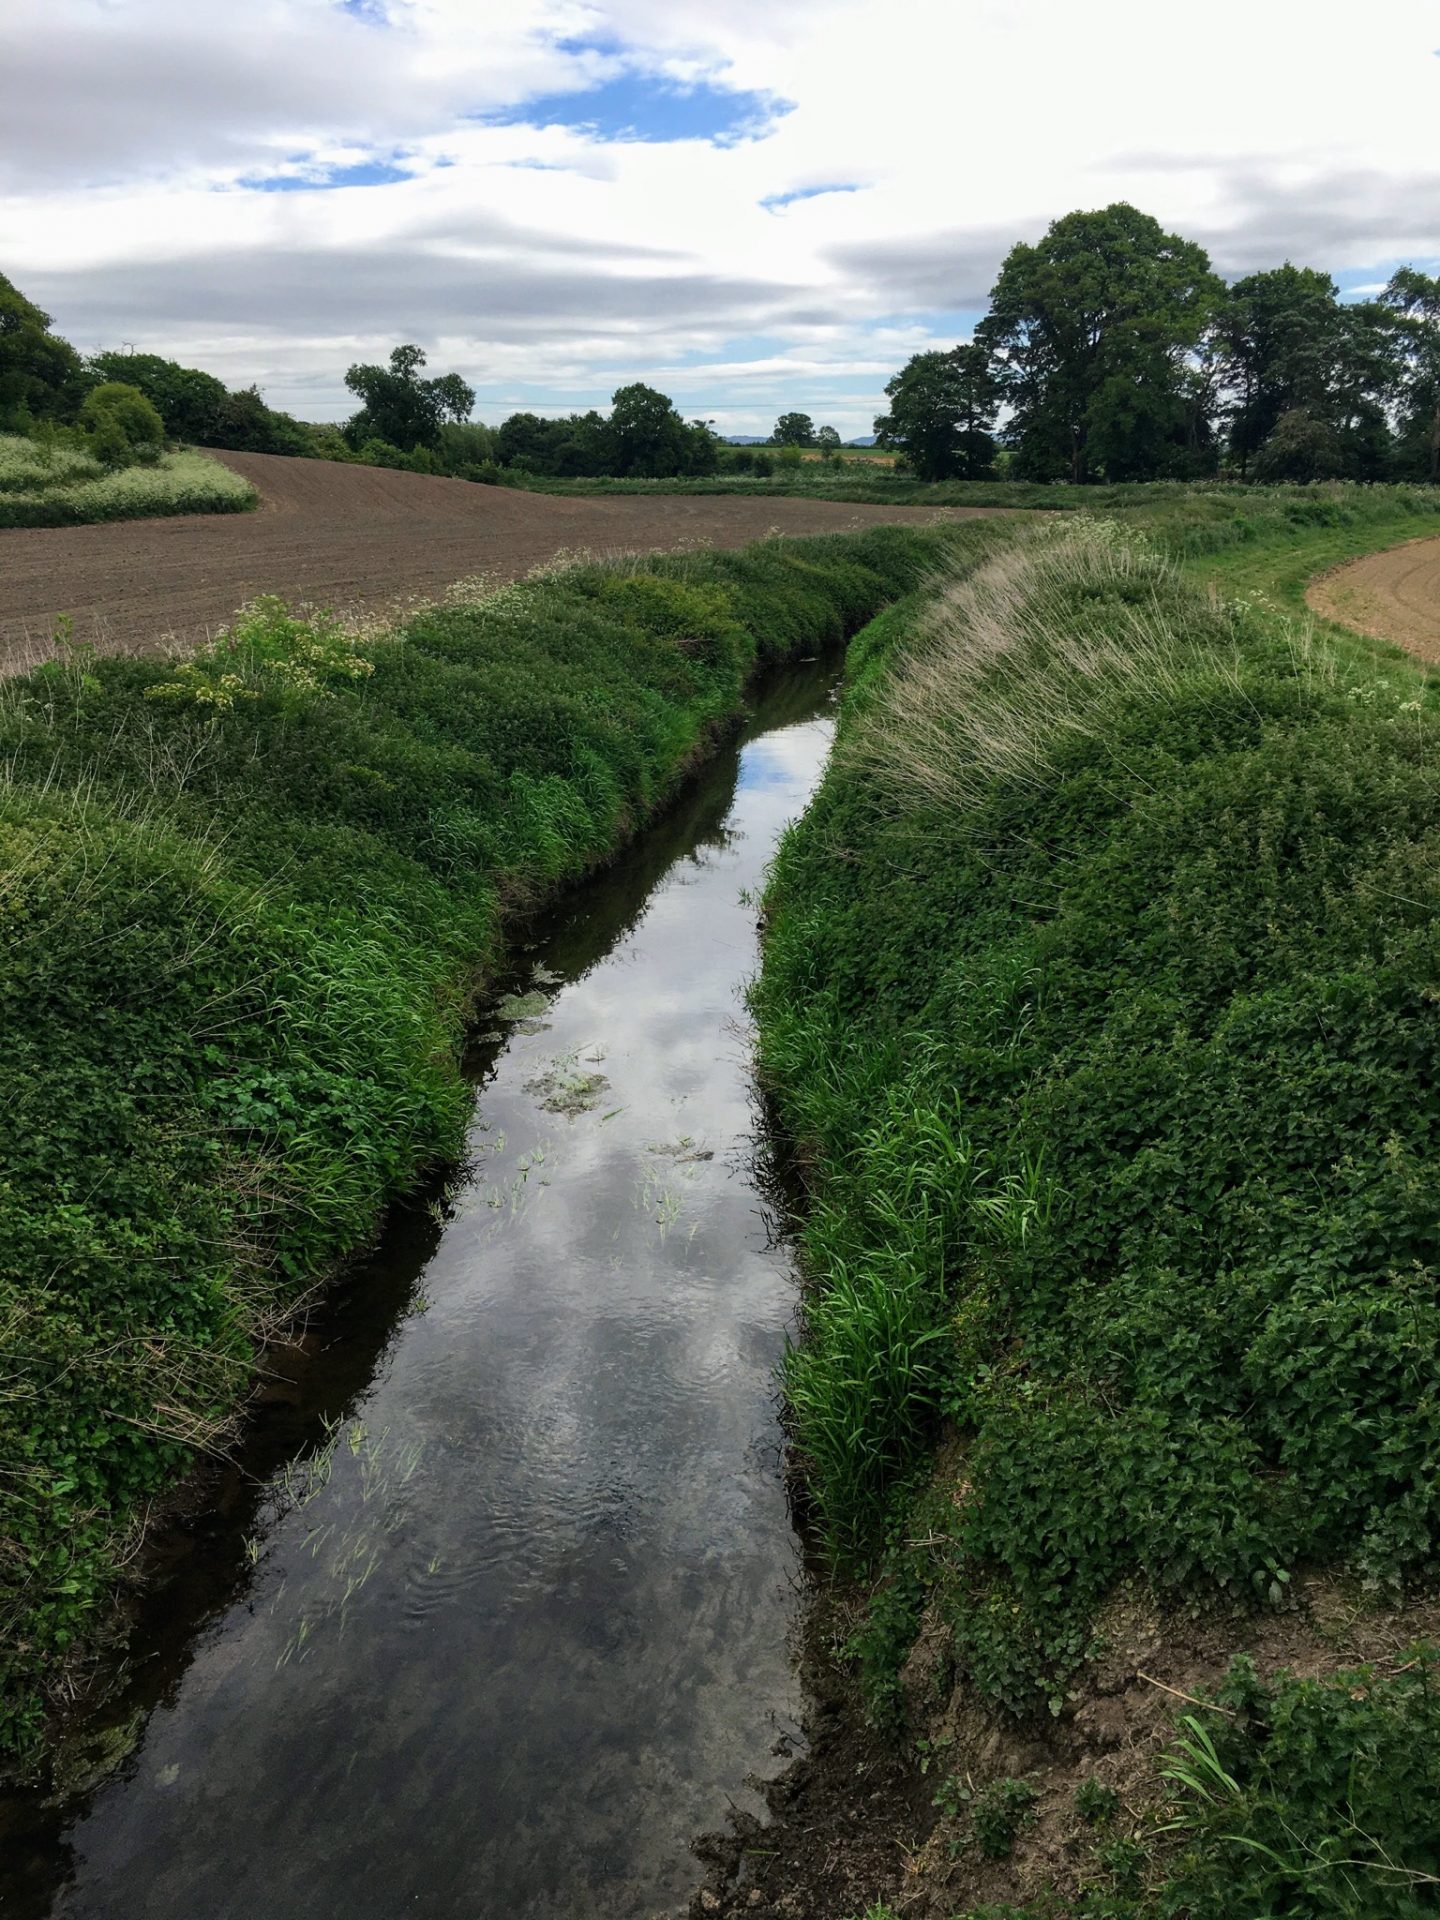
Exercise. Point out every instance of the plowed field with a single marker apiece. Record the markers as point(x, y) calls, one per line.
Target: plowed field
point(351, 537)
point(1391, 596)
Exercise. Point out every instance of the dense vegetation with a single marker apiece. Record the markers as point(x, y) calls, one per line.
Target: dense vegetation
point(59, 486)
point(1097, 999)
point(78, 444)
point(1121, 355)
point(243, 901)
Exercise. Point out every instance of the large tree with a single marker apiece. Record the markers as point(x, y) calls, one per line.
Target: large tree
point(1093, 329)
point(942, 413)
point(1290, 351)
point(649, 439)
point(39, 372)
point(401, 408)
point(1414, 299)
point(794, 430)
point(1276, 333)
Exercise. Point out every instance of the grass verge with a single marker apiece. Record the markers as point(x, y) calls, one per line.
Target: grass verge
point(59, 487)
point(1098, 998)
point(1195, 516)
point(244, 900)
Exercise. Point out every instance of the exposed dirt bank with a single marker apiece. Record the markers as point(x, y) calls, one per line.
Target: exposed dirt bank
point(353, 537)
point(1390, 596)
point(854, 1820)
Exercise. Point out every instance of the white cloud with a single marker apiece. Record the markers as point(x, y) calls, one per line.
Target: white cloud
point(550, 261)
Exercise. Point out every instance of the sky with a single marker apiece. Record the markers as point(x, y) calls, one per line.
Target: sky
point(756, 205)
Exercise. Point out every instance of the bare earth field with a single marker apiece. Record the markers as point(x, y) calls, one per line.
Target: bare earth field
point(1391, 596)
point(351, 538)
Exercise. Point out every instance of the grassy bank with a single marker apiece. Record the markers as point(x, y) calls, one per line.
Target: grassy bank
point(62, 487)
point(1097, 998)
point(1203, 516)
point(243, 903)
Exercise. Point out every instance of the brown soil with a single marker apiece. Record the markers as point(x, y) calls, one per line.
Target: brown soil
point(1390, 596)
point(356, 538)
point(853, 1821)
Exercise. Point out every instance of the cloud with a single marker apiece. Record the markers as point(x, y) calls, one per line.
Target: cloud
point(952, 270)
point(1335, 219)
point(555, 194)
point(408, 292)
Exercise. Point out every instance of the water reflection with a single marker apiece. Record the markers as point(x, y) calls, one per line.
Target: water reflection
point(495, 1616)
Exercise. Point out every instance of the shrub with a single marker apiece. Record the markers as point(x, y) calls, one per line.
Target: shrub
point(998, 1813)
point(1313, 1797)
point(121, 424)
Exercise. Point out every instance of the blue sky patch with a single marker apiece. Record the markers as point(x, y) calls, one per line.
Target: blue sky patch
point(365, 173)
point(774, 200)
point(609, 45)
point(643, 106)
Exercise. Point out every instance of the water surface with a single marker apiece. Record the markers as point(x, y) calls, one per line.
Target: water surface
point(493, 1615)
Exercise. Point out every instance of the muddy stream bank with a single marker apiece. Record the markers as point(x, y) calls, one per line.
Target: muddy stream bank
point(490, 1616)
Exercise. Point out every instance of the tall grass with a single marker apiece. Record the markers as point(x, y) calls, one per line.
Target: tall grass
point(58, 487)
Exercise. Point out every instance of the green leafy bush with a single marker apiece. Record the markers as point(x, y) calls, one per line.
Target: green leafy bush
point(1310, 1797)
point(121, 426)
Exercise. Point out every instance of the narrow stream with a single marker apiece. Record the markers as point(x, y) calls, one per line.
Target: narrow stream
point(492, 1616)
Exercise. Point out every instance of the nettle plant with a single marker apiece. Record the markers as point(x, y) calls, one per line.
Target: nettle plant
point(269, 652)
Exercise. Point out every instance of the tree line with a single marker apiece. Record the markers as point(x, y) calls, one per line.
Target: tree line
point(405, 417)
point(1113, 351)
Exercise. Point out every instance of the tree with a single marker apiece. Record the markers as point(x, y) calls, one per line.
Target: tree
point(1092, 329)
point(1277, 335)
point(457, 401)
point(39, 372)
point(1287, 344)
point(397, 406)
point(121, 424)
point(575, 447)
point(942, 412)
point(828, 441)
point(648, 438)
point(247, 425)
point(1414, 299)
point(1364, 376)
point(793, 430)
point(1302, 447)
point(191, 403)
